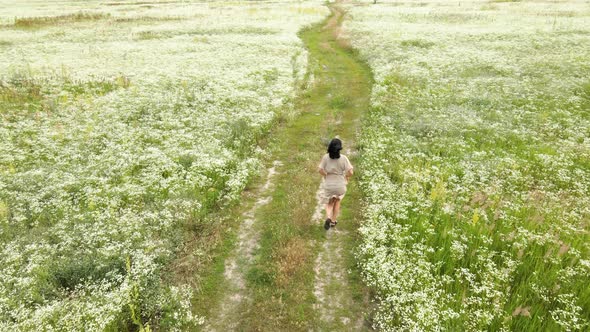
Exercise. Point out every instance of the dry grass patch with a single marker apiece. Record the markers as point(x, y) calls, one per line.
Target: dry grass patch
point(138, 3)
point(291, 257)
point(148, 19)
point(41, 21)
point(147, 35)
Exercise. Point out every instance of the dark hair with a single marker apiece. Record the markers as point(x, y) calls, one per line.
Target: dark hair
point(334, 148)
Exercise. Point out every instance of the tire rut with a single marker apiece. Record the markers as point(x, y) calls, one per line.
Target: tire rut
point(238, 262)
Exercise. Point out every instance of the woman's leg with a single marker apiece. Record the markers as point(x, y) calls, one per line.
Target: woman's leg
point(329, 209)
point(329, 214)
point(336, 211)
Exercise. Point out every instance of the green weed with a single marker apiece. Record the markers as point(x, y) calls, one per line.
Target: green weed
point(420, 43)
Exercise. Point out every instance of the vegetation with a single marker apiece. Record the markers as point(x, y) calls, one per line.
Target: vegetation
point(475, 159)
point(129, 131)
point(113, 156)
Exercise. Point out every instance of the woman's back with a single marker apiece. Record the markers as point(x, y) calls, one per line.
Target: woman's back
point(335, 167)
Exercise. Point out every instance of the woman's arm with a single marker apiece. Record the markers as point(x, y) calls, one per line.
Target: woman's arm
point(322, 167)
point(348, 174)
point(348, 167)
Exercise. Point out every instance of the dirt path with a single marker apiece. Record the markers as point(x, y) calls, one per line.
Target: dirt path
point(239, 261)
point(339, 305)
point(284, 271)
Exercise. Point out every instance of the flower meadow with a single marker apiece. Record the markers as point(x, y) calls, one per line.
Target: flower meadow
point(123, 125)
point(476, 164)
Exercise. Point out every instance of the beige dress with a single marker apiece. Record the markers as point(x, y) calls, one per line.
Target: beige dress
point(334, 184)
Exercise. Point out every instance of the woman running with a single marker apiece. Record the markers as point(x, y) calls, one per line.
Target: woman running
point(336, 169)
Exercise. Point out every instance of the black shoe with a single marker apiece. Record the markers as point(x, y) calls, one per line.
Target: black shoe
point(334, 223)
point(327, 223)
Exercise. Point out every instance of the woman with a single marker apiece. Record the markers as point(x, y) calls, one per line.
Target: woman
point(336, 170)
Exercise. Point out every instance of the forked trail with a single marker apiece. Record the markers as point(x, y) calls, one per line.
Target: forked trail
point(284, 271)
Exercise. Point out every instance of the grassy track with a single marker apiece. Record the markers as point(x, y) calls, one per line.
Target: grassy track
point(298, 276)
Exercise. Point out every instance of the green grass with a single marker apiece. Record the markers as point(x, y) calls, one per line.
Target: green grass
point(147, 35)
point(420, 43)
point(19, 91)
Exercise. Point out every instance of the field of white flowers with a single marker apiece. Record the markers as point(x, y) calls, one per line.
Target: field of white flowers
point(122, 126)
point(477, 164)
